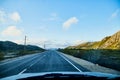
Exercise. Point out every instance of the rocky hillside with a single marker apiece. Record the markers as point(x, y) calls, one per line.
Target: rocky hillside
point(110, 42)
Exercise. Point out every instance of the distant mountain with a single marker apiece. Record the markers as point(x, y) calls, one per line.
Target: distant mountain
point(109, 42)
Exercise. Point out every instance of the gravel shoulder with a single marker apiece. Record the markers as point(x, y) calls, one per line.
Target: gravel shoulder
point(91, 66)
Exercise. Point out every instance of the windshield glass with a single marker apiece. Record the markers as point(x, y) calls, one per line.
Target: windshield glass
point(59, 36)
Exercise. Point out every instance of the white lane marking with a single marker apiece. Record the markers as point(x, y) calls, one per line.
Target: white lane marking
point(30, 66)
point(18, 58)
point(71, 63)
point(22, 71)
point(19, 64)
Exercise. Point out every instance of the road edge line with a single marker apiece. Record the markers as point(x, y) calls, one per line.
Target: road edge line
point(70, 62)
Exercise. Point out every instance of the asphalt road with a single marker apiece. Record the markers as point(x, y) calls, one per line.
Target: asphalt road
point(48, 61)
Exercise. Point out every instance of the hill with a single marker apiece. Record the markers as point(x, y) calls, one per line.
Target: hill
point(11, 49)
point(109, 42)
point(105, 52)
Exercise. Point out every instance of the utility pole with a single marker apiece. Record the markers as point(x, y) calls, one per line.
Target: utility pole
point(25, 44)
point(44, 46)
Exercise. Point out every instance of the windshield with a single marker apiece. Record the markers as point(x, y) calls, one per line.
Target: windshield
point(38, 36)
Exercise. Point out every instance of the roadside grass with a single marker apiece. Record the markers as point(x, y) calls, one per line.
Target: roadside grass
point(105, 57)
point(18, 54)
point(1, 56)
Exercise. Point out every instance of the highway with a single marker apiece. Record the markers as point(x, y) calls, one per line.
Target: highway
point(48, 61)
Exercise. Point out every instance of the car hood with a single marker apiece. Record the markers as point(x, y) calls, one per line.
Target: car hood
point(25, 75)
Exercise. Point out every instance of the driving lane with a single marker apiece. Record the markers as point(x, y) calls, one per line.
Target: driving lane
point(48, 61)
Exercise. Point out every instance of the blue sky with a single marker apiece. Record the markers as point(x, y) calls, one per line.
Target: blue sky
point(58, 23)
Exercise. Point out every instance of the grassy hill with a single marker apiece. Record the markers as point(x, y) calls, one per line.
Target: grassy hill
point(10, 49)
point(109, 42)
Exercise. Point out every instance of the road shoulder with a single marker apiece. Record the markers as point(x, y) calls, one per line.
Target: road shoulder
point(91, 66)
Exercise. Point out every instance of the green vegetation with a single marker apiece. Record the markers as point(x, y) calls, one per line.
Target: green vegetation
point(22, 52)
point(9, 50)
point(105, 52)
point(105, 57)
point(1, 56)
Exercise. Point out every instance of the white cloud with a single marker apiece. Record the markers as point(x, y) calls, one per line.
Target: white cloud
point(19, 41)
point(115, 14)
point(11, 31)
point(47, 42)
point(15, 16)
point(2, 16)
point(53, 17)
point(6, 17)
point(56, 44)
point(77, 42)
point(69, 22)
